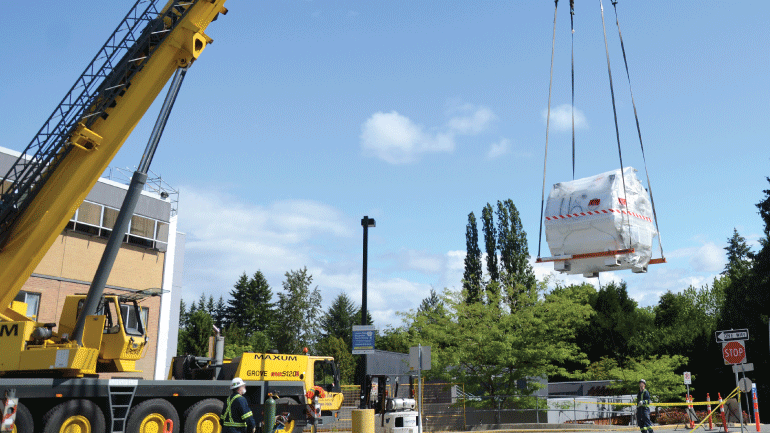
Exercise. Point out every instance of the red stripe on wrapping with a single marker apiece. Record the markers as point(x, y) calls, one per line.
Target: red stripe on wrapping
point(599, 212)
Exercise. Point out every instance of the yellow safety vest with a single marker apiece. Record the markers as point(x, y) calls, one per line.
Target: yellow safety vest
point(227, 417)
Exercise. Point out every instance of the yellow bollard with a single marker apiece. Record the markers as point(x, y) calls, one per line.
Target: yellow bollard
point(363, 420)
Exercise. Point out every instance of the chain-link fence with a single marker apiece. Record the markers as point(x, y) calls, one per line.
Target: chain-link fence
point(443, 405)
point(447, 407)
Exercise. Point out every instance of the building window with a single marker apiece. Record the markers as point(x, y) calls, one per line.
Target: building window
point(110, 217)
point(97, 220)
point(162, 233)
point(134, 325)
point(33, 303)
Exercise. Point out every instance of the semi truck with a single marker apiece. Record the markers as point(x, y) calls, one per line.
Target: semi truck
point(51, 374)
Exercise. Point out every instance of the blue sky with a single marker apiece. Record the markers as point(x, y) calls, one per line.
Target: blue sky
point(304, 116)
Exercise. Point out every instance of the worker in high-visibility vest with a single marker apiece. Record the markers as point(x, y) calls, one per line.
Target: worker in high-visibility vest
point(643, 408)
point(236, 416)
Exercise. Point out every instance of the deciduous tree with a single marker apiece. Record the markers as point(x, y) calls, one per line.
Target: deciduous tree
point(472, 276)
point(300, 313)
point(334, 346)
point(490, 243)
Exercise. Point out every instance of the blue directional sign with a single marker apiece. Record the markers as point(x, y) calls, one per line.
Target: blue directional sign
point(363, 339)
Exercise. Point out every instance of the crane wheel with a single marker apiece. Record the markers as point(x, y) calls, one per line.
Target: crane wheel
point(74, 416)
point(24, 421)
point(150, 416)
point(203, 417)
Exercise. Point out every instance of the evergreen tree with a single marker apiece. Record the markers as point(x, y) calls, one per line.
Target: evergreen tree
point(220, 314)
point(210, 307)
point(432, 306)
point(182, 314)
point(202, 303)
point(251, 306)
point(300, 307)
point(490, 244)
point(738, 255)
point(472, 276)
point(369, 320)
point(339, 320)
point(195, 339)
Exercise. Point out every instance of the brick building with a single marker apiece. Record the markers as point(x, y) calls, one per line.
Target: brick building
point(151, 258)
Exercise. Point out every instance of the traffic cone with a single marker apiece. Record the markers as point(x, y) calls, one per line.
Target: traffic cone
point(692, 423)
point(722, 412)
point(756, 406)
point(708, 408)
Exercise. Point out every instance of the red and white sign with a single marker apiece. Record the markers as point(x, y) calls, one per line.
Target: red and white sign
point(687, 378)
point(734, 352)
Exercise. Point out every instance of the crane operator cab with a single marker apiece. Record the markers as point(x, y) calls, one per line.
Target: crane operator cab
point(113, 339)
point(123, 334)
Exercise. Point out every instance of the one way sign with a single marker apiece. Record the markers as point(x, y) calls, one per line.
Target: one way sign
point(732, 335)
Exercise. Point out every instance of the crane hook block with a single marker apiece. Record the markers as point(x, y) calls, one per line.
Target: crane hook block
point(84, 138)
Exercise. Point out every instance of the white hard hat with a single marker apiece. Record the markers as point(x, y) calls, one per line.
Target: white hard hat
point(237, 383)
point(643, 381)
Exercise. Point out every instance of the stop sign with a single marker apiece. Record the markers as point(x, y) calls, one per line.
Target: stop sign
point(734, 352)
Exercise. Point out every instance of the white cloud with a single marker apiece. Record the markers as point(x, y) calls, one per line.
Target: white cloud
point(396, 139)
point(455, 267)
point(499, 148)
point(423, 262)
point(473, 120)
point(226, 236)
point(708, 258)
point(561, 118)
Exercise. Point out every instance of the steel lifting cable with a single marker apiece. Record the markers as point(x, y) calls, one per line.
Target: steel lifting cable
point(572, 59)
point(617, 130)
point(547, 126)
point(638, 129)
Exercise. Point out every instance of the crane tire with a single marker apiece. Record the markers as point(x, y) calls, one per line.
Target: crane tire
point(75, 416)
point(150, 416)
point(24, 422)
point(203, 417)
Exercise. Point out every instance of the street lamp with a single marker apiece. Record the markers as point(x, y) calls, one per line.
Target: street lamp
point(366, 222)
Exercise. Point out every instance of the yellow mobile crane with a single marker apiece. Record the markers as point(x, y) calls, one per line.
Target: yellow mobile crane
point(53, 373)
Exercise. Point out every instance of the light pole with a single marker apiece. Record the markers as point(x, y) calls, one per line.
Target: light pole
point(366, 222)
